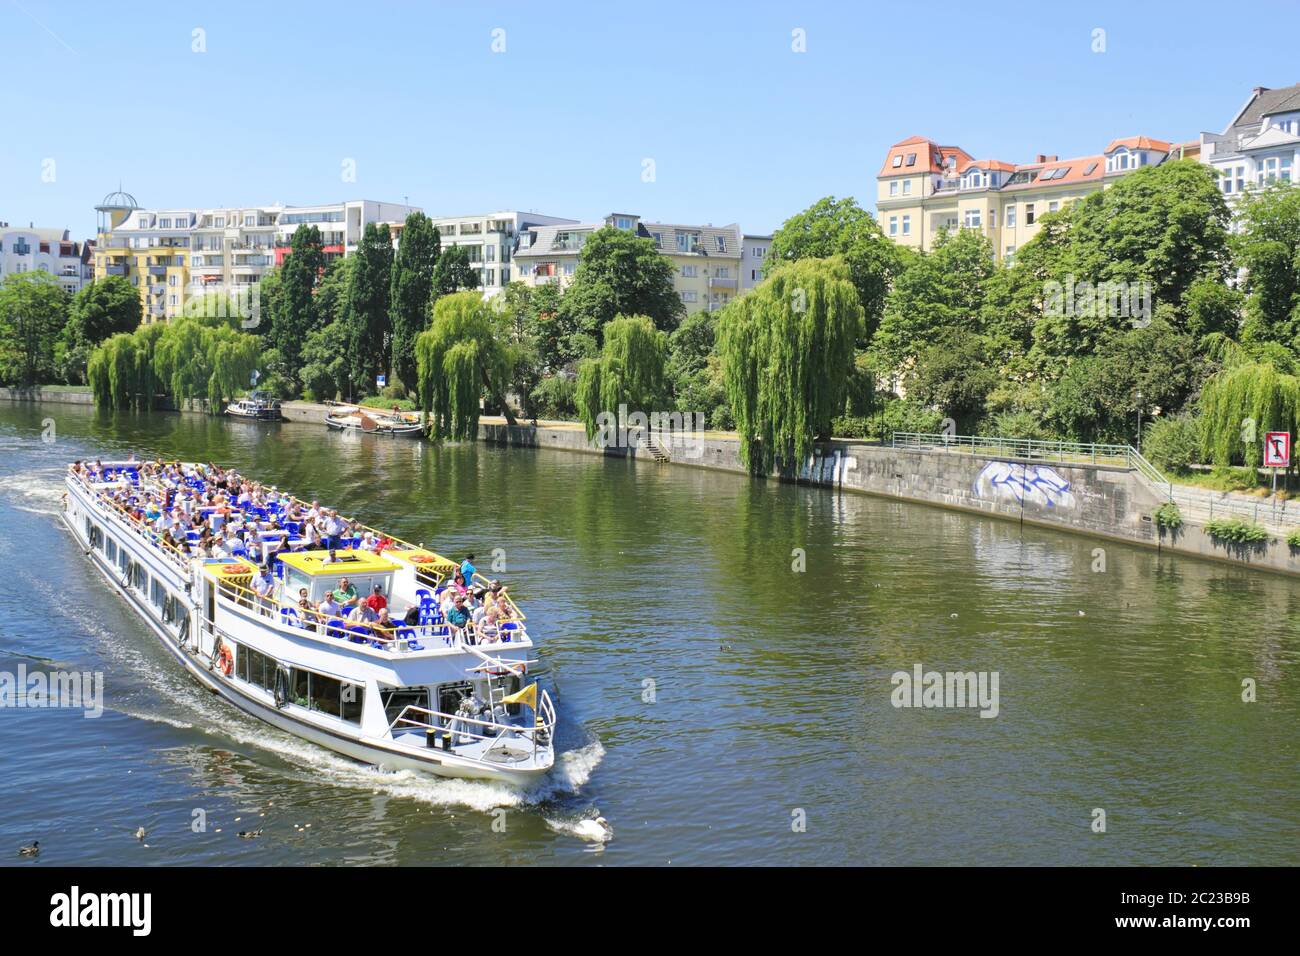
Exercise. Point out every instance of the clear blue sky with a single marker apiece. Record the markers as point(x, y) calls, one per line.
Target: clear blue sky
point(740, 127)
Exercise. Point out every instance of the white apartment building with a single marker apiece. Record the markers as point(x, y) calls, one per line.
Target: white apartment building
point(46, 250)
point(1260, 146)
point(707, 258)
point(491, 240)
point(172, 255)
point(753, 256)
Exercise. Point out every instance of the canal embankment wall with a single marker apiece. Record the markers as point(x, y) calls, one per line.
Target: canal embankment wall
point(1100, 500)
point(1104, 501)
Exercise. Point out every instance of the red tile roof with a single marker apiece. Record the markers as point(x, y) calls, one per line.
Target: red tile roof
point(1079, 169)
point(930, 157)
point(1138, 142)
point(989, 164)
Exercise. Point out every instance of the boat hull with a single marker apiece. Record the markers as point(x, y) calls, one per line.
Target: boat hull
point(383, 754)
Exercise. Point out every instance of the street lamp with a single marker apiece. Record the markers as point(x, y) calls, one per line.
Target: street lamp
point(1139, 435)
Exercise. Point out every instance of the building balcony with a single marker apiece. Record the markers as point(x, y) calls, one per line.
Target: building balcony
point(157, 270)
point(719, 283)
point(115, 270)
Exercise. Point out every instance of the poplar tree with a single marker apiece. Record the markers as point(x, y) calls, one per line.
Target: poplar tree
point(411, 285)
point(368, 319)
point(295, 314)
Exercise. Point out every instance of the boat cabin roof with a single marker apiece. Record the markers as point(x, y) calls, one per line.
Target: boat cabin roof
point(313, 563)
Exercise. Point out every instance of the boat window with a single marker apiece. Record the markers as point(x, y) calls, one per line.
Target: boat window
point(354, 697)
point(397, 698)
point(301, 691)
point(449, 695)
point(325, 694)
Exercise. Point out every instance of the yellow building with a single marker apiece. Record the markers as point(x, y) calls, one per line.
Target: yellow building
point(924, 188)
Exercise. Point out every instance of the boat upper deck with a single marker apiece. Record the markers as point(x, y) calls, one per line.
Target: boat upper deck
point(299, 564)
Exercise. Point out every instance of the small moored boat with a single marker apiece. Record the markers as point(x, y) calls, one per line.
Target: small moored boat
point(371, 421)
point(259, 406)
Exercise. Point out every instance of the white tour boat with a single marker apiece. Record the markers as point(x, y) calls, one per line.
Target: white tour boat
point(452, 702)
point(259, 406)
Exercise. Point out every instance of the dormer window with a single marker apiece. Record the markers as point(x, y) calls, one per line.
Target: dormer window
point(898, 161)
point(911, 159)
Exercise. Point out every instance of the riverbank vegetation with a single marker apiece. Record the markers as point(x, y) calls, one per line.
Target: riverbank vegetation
point(1134, 304)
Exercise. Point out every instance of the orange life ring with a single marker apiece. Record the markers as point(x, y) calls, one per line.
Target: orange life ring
point(225, 660)
point(421, 558)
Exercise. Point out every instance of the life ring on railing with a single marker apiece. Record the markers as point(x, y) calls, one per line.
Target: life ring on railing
point(225, 660)
point(422, 559)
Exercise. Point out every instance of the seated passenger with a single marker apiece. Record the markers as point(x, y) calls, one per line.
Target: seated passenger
point(458, 616)
point(377, 602)
point(362, 614)
point(345, 593)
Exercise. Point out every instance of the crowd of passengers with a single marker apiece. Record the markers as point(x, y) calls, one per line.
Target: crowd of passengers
point(209, 512)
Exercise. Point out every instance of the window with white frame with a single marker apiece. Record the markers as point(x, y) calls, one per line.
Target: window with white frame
point(1053, 206)
point(689, 272)
point(893, 187)
point(907, 187)
point(1011, 216)
point(907, 225)
point(893, 225)
point(972, 219)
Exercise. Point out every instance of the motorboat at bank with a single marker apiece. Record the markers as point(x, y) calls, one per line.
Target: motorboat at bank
point(451, 701)
point(259, 406)
point(371, 421)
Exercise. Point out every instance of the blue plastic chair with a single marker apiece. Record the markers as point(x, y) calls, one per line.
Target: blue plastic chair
point(290, 616)
point(423, 594)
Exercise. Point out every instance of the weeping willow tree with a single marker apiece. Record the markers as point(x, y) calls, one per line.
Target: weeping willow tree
point(787, 353)
point(461, 357)
point(120, 370)
point(1256, 391)
point(629, 373)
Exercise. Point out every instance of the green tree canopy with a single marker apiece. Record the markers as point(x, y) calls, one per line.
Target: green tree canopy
point(411, 288)
point(620, 273)
point(787, 353)
point(369, 321)
point(453, 273)
point(33, 310)
point(1269, 248)
point(459, 358)
point(295, 314)
point(840, 227)
point(629, 371)
point(102, 309)
point(934, 292)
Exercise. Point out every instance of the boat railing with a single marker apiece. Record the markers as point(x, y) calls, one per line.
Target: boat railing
point(178, 558)
point(540, 733)
point(384, 638)
point(134, 525)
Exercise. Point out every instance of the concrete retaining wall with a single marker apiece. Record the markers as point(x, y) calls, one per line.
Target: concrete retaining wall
point(1098, 500)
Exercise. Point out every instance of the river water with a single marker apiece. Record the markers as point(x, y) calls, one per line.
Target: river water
point(718, 706)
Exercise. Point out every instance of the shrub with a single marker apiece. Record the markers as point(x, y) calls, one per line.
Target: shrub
point(1168, 516)
point(1172, 443)
point(1293, 539)
point(1236, 530)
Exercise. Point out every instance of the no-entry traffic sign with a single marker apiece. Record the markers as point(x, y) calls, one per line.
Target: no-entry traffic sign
point(1277, 449)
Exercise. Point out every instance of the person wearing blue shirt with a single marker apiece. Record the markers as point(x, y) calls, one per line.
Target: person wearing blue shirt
point(467, 569)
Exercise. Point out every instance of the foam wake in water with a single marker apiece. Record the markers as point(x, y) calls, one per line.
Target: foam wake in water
point(35, 493)
point(169, 696)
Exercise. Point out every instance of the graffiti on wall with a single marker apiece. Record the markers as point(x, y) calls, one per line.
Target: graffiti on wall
point(827, 469)
point(1024, 484)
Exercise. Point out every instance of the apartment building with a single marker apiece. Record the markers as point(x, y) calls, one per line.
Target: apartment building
point(707, 259)
point(490, 239)
point(1261, 144)
point(53, 251)
point(172, 255)
point(753, 256)
point(924, 188)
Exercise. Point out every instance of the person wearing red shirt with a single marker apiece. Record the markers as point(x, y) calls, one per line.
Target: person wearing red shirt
point(377, 602)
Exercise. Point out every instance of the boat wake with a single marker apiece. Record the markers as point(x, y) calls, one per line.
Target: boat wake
point(34, 493)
